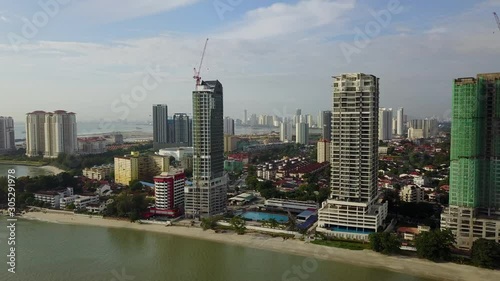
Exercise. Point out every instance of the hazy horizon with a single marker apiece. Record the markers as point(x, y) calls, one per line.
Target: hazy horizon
point(272, 57)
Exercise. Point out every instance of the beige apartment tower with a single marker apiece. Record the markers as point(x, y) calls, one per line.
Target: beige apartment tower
point(323, 151)
point(49, 134)
point(353, 210)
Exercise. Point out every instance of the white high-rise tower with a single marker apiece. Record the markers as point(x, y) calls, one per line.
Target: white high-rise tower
point(400, 122)
point(352, 211)
point(385, 124)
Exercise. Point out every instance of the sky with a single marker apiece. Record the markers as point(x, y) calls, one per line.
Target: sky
point(114, 59)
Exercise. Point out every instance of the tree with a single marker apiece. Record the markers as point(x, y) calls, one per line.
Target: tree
point(238, 225)
point(435, 245)
point(209, 223)
point(384, 242)
point(486, 253)
point(188, 173)
point(375, 242)
point(252, 182)
point(273, 223)
point(136, 186)
point(445, 181)
point(292, 223)
point(171, 160)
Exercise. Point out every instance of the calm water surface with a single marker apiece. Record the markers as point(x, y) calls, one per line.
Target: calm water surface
point(53, 252)
point(22, 171)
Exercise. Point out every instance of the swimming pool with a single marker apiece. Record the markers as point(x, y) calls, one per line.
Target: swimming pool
point(261, 216)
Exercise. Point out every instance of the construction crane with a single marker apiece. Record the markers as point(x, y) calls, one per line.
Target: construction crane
point(498, 20)
point(197, 72)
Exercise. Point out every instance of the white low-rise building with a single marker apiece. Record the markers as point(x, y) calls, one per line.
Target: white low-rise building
point(412, 193)
point(53, 197)
point(98, 172)
point(66, 201)
point(104, 190)
point(351, 220)
point(421, 180)
point(289, 205)
point(80, 201)
point(50, 197)
point(96, 208)
point(177, 152)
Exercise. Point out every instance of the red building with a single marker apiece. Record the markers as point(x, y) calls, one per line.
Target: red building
point(169, 194)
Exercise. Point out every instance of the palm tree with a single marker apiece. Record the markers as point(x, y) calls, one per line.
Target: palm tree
point(292, 223)
point(238, 224)
point(273, 223)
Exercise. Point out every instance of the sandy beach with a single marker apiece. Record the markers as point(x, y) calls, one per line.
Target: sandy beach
point(417, 267)
point(52, 169)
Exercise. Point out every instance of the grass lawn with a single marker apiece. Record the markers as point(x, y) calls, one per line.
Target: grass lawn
point(342, 244)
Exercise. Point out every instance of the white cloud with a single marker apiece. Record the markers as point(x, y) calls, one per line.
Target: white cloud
point(281, 19)
point(262, 73)
point(98, 11)
point(437, 30)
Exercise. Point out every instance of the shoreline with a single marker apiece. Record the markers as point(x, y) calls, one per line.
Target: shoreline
point(52, 169)
point(23, 163)
point(400, 264)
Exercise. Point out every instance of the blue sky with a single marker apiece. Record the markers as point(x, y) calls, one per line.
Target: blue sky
point(271, 56)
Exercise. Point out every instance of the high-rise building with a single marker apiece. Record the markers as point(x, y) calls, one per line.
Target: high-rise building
point(428, 128)
point(323, 151)
point(208, 194)
point(326, 125)
point(169, 193)
point(302, 133)
point(50, 133)
point(229, 126)
point(35, 133)
point(182, 130)
point(286, 132)
point(253, 120)
point(245, 118)
point(394, 125)
point(309, 120)
point(474, 206)
point(431, 127)
point(7, 140)
point(385, 124)
point(400, 122)
point(160, 126)
point(60, 133)
point(171, 133)
point(276, 121)
point(297, 118)
point(353, 210)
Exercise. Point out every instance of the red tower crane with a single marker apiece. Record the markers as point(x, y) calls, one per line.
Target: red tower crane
point(498, 20)
point(197, 72)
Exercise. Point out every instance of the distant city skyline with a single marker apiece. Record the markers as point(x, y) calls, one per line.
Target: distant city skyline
point(101, 61)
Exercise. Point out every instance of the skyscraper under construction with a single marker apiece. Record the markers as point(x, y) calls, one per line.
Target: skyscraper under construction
point(207, 195)
point(474, 207)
